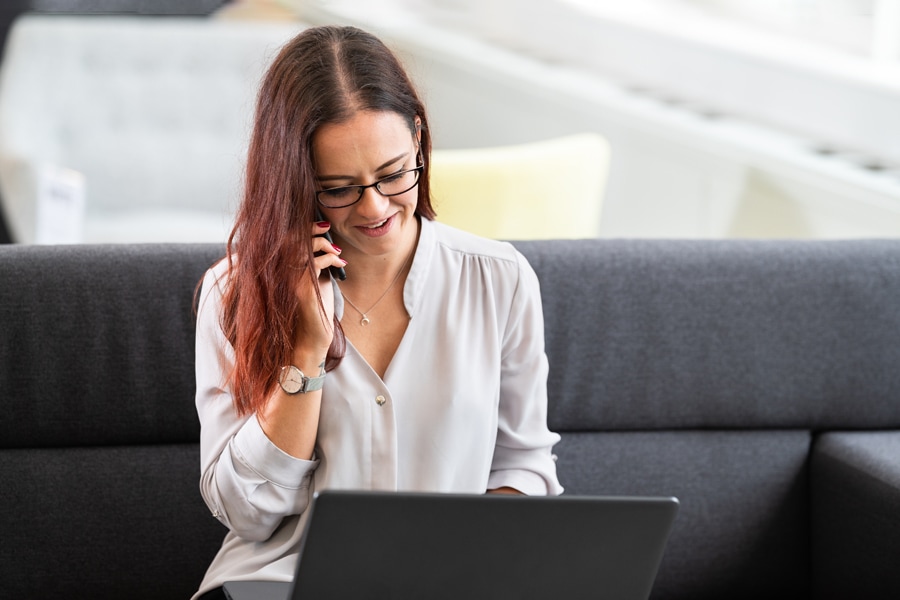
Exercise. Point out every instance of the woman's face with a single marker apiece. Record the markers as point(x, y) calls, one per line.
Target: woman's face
point(368, 147)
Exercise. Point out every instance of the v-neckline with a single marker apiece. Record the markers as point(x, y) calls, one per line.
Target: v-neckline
point(400, 348)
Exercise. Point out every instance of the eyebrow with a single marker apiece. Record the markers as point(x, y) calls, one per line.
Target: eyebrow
point(382, 167)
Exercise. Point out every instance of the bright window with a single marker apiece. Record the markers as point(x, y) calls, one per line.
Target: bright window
point(863, 28)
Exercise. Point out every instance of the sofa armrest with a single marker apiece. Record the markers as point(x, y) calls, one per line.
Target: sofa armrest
point(18, 193)
point(856, 515)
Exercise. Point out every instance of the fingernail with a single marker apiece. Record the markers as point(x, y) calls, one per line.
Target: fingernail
point(323, 224)
point(342, 260)
point(336, 248)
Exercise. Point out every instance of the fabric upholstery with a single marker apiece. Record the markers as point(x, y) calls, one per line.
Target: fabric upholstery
point(110, 522)
point(741, 528)
point(101, 344)
point(512, 192)
point(154, 113)
point(733, 334)
point(856, 514)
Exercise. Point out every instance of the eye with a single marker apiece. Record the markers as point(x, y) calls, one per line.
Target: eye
point(339, 193)
point(390, 178)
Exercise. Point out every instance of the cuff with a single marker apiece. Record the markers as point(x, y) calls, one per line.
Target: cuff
point(257, 452)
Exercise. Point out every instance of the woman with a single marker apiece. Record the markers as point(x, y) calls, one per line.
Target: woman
point(423, 370)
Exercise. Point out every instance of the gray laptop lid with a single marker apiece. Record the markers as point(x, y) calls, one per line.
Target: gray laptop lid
point(414, 545)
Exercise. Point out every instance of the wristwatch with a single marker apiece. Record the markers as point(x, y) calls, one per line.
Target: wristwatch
point(293, 381)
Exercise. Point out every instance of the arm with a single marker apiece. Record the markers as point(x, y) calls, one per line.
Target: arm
point(247, 481)
point(291, 421)
point(257, 469)
point(523, 460)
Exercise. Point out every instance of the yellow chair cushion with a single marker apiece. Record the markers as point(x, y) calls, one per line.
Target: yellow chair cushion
point(549, 189)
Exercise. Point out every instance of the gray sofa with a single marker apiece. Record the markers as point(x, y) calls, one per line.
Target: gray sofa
point(759, 382)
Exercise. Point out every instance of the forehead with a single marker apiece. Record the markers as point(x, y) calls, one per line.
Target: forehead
point(362, 142)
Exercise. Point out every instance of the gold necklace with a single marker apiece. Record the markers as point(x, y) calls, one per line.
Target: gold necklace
point(365, 320)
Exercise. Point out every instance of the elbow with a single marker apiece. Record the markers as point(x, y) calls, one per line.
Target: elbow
point(249, 525)
point(256, 528)
point(253, 533)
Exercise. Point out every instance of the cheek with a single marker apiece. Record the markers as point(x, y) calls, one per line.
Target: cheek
point(409, 200)
point(328, 214)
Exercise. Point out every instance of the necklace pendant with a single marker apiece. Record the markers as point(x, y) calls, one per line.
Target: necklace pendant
point(364, 321)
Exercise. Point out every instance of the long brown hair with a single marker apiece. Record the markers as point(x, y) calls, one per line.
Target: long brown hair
point(324, 75)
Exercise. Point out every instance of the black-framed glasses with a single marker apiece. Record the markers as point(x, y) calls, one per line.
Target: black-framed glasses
point(392, 185)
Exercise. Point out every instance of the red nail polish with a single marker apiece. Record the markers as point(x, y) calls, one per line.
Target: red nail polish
point(335, 247)
point(323, 224)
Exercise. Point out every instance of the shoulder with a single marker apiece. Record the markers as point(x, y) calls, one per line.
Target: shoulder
point(496, 263)
point(452, 240)
point(217, 275)
point(213, 286)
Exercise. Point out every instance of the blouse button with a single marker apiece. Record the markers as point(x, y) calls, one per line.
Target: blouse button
point(379, 400)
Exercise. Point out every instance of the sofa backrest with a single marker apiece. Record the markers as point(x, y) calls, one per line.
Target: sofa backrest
point(722, 334)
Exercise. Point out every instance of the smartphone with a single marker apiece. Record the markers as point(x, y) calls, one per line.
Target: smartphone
point(337, 272)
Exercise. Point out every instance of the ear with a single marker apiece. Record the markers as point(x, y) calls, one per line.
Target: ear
point(418, 122)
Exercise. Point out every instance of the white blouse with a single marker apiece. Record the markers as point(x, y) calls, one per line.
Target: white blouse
point(462, 407)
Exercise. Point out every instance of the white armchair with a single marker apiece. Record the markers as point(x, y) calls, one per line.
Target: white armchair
point(151, 114)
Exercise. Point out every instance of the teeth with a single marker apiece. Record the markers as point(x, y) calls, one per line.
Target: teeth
point(377, 225)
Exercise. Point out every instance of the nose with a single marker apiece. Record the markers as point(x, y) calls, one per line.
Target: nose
point(372, 205)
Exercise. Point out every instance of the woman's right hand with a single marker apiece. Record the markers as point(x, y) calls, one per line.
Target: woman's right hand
point(315, 322)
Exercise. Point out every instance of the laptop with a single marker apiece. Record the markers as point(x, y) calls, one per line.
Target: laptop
point(400, 545)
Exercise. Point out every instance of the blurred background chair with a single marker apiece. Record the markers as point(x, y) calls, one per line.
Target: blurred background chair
point(143, 121)
point(540, 190)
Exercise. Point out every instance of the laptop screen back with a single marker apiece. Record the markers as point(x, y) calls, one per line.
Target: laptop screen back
point(413, 546)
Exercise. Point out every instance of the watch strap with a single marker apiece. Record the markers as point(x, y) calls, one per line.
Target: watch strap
point(311, 384)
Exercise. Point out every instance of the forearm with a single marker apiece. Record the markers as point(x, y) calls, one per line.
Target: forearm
point(291, 421)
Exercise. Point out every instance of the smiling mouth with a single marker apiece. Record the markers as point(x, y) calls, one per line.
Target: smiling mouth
point(376, 225)
point(377, 229)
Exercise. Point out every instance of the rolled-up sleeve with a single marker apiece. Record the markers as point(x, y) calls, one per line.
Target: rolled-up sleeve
point(523, 457)
point(247, 482)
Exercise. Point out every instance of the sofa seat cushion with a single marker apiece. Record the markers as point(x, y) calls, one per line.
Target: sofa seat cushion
point(114, 522)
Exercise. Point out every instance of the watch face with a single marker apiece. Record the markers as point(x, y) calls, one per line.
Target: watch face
point(291, 379)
